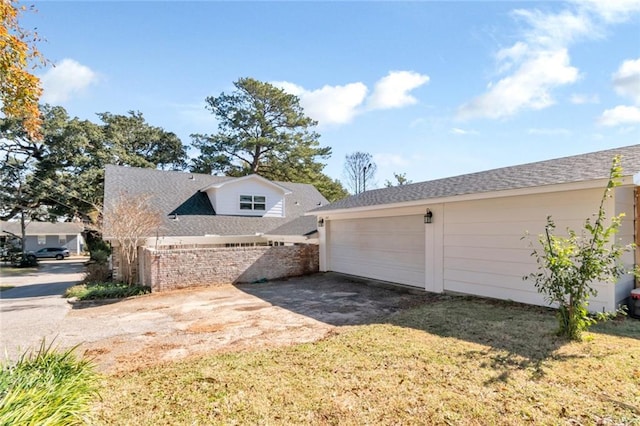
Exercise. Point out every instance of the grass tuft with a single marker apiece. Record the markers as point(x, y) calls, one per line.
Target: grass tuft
point(47, 388)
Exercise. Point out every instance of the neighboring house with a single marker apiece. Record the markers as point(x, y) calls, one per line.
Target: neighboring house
point(44, 234)
point(198, 205)
point(474, 244)
point(210, 212)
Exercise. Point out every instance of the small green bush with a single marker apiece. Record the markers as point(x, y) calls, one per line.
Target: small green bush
point(94, 291)
point(97, 272)
point(100, 256)
point(47, 388)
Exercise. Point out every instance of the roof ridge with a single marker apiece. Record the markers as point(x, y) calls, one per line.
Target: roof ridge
point(574, 168)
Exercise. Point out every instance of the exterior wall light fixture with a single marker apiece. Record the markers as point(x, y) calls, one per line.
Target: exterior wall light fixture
point(428, 216)
point(320, 222)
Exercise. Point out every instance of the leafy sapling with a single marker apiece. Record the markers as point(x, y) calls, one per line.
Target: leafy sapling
point(569, 266)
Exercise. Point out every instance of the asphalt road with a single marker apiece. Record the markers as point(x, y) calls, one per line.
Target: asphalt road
point(34, 309)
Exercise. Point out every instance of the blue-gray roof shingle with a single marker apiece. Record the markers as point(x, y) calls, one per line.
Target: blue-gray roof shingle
point(577, 168)
point(178, 193)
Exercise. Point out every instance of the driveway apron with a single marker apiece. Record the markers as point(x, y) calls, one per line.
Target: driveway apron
point(34, 309)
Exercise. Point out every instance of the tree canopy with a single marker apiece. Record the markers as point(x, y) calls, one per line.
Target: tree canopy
point(262, 129)
point(19, 89)
point(401, 179)
point(62, 172)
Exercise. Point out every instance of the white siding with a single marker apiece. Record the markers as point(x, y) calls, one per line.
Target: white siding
point(624, 203)
point(226, 199)
point(484, 253)
point(384, 248)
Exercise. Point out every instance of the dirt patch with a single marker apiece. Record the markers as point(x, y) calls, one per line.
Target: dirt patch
point(163, 327)
point(203, 327)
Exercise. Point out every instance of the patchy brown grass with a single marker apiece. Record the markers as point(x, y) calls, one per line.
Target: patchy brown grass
point(453, 361)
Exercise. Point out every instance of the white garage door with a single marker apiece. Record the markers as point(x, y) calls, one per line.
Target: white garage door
point(388, 249)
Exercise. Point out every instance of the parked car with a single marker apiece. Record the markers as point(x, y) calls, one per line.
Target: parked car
point(51, 252)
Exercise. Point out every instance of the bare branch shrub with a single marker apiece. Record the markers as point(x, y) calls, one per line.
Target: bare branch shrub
point(128, 221)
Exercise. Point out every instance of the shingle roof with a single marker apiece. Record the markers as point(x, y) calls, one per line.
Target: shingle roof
point(179, 193)
point(43, 228)
point(303, 225)
point(578, 168)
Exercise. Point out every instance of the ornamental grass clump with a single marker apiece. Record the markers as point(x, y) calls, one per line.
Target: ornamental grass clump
point(47, 387)
point(568, 267)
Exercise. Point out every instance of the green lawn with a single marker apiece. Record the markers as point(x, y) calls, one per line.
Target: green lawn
point(453, 361)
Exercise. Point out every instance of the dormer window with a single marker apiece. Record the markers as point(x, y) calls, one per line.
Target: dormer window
point(253, 202)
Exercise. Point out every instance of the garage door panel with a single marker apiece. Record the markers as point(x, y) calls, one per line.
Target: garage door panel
point(389, 249)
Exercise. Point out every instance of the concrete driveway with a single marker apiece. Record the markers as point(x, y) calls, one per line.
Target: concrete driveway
point(34, 309)
point(161, 327)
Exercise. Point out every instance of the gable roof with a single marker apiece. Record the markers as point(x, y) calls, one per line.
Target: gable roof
point(180, 193)
point(42, 228)
point(259, 178)
point(577, 168)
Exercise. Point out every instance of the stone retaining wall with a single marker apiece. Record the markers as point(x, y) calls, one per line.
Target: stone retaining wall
point(165, 270)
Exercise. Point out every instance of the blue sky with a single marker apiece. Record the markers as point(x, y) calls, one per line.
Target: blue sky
point(430, 89)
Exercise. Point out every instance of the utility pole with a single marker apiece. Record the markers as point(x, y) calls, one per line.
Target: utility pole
point(364, 177)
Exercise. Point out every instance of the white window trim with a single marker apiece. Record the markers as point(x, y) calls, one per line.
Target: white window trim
point(252, 202)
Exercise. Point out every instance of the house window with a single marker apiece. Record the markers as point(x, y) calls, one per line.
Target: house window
point(42, 240)
point(253, 202)
point(62, 240)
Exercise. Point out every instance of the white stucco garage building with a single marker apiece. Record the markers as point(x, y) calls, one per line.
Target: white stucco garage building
point(474, 242)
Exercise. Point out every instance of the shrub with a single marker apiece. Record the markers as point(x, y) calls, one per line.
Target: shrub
point(48, 387)
point(569, 266)
point(19, 261)
point(97, 272)
point(95, 291)
point(96, 244)
point(100, 256)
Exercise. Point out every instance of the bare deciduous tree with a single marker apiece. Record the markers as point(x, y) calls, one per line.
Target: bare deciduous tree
point(359, 172)
point(128, 221)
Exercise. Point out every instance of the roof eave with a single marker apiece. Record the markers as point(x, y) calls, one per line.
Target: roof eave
point(589, 184)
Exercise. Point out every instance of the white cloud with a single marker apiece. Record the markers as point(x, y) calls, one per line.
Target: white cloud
point(330, 104)
point(620, 115)
point(581, 98)
point(626, 81)
point(334, 104)
point(66, 79)
point(462, 132)
point(611, 11)
point(393, 90)
point(533, 67)
point(340, 104)
point(290, 88)
point(555, 30)
point(529, 87)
